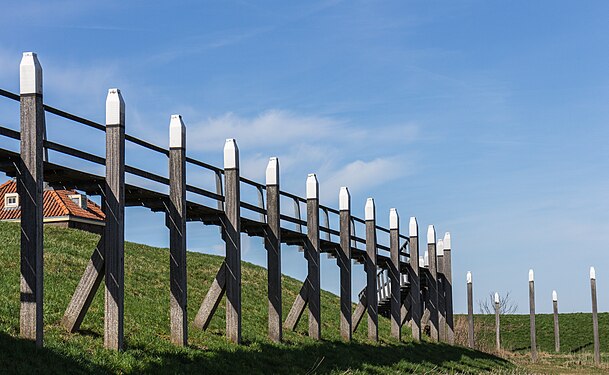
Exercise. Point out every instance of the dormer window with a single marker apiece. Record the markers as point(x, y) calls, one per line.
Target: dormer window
point(11, 200)
point(79, 199)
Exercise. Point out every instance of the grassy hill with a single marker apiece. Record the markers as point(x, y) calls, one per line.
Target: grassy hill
point(147, 324)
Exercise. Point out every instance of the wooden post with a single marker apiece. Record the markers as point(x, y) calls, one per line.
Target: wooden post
point(177, 231)
point(394, 274)
point(470, 311)
point(115, 220)
point(497, 322)
point(415, 284)
point(597, 352)
point(433, 284)
point(532, 315)
point(312, 255)
point(272, 244)
point(371, 271)
point(448, 290)
point(556, 327)
point(232, 240)
point(344, 262)
point(440, 285)
point(30, 189)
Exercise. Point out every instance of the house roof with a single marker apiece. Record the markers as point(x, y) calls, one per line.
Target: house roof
point(56, 204)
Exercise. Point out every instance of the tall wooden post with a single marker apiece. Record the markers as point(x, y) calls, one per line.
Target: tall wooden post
point(532, 316)
point(448, 290)
point(433, 284)
point(440, 285)
point(470, 311)
point(597, 353)
point(312, 254)
point(497, 323)
point(232, 240)
point(414, 277)
point(115, 220)
point(30, 189)
point(371, 271)
point(556, 327)
point(177, 231)
point(344, 262)
point(394, 274)
point(272, 243)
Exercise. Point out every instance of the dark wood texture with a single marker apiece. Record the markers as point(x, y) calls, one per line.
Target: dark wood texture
point(394, 277)
point(416, 309)
point(433, 294)
point(312, 251)
point(371, 284)
point(272, 243)
point(448, 297)
point(344, 263)
point(232, 239)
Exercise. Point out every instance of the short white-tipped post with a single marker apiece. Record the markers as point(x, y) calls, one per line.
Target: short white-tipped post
point(272, 244)
point(312, 251)
point(433, 284)
point(597, 353)
point(532, 315)
point(416, 261)
point(470, 310)
point(394, 274)
point(448, 289)
point(344, 263)
point(497, 323)
point(371, 270)
point(556, 326)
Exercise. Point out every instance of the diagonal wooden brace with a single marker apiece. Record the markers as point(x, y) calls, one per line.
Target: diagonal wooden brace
point(298, 308)
point(406, 311)
point(86, 289)
point(360, 311)
point(212, 299)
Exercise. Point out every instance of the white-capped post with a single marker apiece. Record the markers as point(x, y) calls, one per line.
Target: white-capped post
point(30, 189)
point(433, 284)
point(532, 315)
point(114, 230)
point(448, 289)
point(597, 353)
point(371, 270)
point(344, 263)
point(272, 244)
point(497, 323)
point(556, 326)
point(312, 253)
point(470, 310)
point(413, 274)
point(395, 274)
point(176, 220)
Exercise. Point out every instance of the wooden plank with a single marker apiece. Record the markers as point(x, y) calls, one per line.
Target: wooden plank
point(312, 252)
point(414, 277)
point(371, 271)
point(470, 311)
point(394, 274)
point(232, 240)
point(360, 311)
point(532, 316)
point(30, 190)
point(432, 286)
point(212, 299)
point(448, 290)
point(597, 352)
point(272, 244)
point(115, 220)
point(177, 232)
point(556, 325)
point(298, 307)
point(344, 263)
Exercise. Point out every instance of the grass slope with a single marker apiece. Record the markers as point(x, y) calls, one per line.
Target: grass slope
point(148, 349)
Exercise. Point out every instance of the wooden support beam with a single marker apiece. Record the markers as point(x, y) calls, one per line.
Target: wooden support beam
point(470, 311)
point(448, 290)
point(300, 303)
point(115, 220)
point(556, 326)
point(406, 312)
point(344, 263)
point(497, 324)
point(233, 241)
point(433, 285)
point(440, 285)
point(272, 244)
point(30, 189)
point(597, 345)
point(360, 311)
point(177, 232)
point(532, 316)
point(312, 251)
point(212, 299)
point(371, 271)
point(394, 274)
point(414, 277)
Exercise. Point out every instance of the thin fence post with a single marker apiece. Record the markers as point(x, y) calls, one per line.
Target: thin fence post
point(272, 243)
point(470, 311)
point(313, 255)
point(30, 188)
point(440, 284)
point(532, 315)
point(115, 220)
point(394, 274)
point(433, 284)
point(556, 326)
point(371, 270)
point(497, 323)
point(597, 353)
point(344, 262)
point(177, 231)
point(232, 211)
point(414, 277)
point(448, 289)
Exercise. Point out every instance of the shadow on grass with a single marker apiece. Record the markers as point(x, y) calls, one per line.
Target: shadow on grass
point(581, 347)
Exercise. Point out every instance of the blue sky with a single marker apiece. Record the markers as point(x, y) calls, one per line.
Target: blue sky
point(485, 118)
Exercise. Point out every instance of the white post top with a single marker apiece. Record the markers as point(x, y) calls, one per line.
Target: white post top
point(115, 108)
point(496, 298)
point(440, 248)
point(344, 199)
point(431, 234)
point(30, 74)
point(394, 219)
point(312, 186)
point(231, 154)
point(421, 261)
point(447, 245)
point(531, 275)
point(272, 172)
point(370, 212)
point(177, 132)
point(592, 273)
point(554, 296)
point(413, 227)
point(426, 258)
point(469, 277)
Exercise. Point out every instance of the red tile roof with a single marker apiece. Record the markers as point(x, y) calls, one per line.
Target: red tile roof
point(56, 203)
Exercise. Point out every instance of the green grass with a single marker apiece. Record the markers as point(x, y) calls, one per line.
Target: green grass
point(148, 349)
